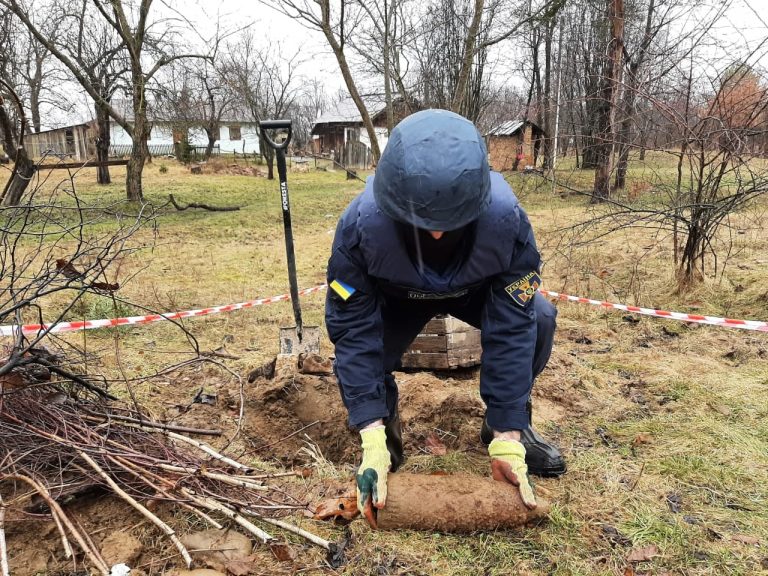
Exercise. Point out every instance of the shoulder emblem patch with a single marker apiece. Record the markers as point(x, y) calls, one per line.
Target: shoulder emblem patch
point(521, 291)
point(345, 291)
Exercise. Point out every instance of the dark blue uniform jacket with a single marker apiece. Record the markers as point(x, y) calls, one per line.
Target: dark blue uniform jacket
point(370, 257)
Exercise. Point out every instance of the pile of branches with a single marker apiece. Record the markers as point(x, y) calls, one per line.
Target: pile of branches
point(59, 440)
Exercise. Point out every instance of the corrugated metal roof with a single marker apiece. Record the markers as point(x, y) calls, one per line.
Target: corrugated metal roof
point(507, 128)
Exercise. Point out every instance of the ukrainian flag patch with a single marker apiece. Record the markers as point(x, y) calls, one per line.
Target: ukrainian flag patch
point(521, 291)
point(345, 291)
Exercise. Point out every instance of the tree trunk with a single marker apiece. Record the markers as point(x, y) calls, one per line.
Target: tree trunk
point(388, 65)
point(34, 107)
point(269, 157)
point(102, 145)
point(338, 51)
point(459, 103)
point(139, 150)
point(630, 91)
point(547, 113)
point(211, 143)
point(25, 170)
point(609, 92)
point(133, 174)
point(624, 135)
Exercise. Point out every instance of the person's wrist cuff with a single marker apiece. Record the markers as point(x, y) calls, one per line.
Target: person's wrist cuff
point(373, 425)
point(374, 439)
point(499, 448)
point(507, 435)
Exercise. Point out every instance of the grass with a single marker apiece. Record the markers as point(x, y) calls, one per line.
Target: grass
point(682, 410)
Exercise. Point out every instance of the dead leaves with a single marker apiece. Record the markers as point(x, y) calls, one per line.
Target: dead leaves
point(674, 502)
point(745, 539)
point(315, 364)
point(282, 551)
point(242, 566)
point(435, 446)
point(615, 537)
point(642, 438)
point(643, 554)
point(68, 270)
point(344, 507)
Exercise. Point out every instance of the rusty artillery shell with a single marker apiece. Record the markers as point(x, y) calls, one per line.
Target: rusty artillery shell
point(453, 503)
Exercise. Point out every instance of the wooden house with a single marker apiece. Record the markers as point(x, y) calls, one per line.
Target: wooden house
point(76, 143)
point(514, 145)
point(340, 133)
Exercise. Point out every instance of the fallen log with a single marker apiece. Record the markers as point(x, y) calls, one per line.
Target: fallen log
point(453, 503)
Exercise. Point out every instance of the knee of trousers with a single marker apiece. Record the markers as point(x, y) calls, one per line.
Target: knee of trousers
point(546, 318)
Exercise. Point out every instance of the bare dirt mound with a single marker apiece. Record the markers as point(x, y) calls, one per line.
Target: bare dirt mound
point(286, 411)
point(282, 412)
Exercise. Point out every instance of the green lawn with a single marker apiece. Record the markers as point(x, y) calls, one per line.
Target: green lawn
point(665, 426)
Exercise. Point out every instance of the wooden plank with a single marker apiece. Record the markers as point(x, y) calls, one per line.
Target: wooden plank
point(429, 361)
point(445, 343)
point(469, 339)
point(426, 342)
point(464, 357)
point(446, 325)
point(430, 343)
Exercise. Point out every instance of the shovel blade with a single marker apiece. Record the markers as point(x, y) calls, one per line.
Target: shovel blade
point(309, 343)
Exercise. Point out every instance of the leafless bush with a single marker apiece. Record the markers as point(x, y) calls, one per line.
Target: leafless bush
point(54, 250)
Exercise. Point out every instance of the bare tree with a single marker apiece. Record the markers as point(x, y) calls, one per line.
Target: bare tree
point(196, 95)
point(635, 60)
point(27, 66)
point(451, 58)
point(716, 123)
point(266, 82)
point(380, 45)
point(612, 69)
point(101, 56)
point(334, 24)
point(45, 249)
point(146, 52)
point(13, 142)
point(311, 101)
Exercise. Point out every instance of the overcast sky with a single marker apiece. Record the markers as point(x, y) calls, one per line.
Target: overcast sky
point(744, 27)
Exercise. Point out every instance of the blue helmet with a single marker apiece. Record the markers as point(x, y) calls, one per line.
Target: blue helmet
point(434, 172)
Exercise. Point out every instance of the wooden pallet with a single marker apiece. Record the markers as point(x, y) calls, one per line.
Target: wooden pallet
point(445, 343)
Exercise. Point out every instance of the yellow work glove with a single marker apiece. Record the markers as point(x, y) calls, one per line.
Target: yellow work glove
point(508, 465)
point(372, 474)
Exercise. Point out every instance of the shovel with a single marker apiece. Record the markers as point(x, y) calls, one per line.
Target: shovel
point(297, 339)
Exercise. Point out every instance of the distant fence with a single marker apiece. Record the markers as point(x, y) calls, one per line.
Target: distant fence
point(162, 150)
point(355, 154)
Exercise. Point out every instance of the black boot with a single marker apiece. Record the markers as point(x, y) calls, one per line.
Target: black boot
point(394, 440)
point(543, 459)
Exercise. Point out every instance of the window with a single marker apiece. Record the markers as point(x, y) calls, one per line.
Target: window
point(234, 133)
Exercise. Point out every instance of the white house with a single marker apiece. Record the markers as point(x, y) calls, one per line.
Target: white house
point(237, 133)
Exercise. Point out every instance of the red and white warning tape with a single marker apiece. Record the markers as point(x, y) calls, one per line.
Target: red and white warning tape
point(113, 322)
point(699, 319)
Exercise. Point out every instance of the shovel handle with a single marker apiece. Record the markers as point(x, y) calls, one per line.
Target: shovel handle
point(265, 125)
point(282, 172)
